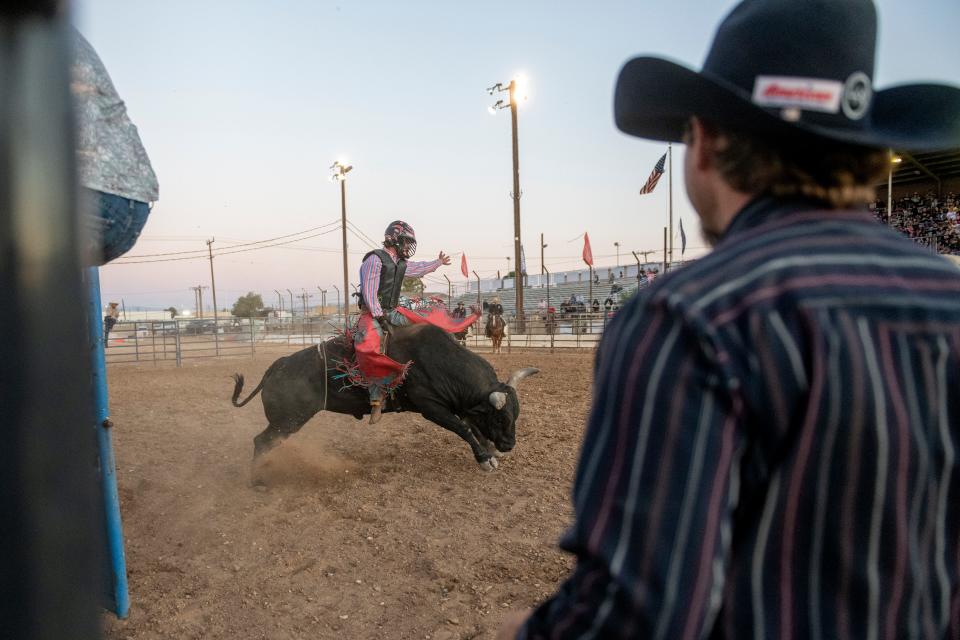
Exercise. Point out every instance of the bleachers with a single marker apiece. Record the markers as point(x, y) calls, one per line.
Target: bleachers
point(559, 292)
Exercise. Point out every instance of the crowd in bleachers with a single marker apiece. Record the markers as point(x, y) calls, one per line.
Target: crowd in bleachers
point(929, 219)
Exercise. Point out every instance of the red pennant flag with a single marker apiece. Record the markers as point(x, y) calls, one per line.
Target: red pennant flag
point(463, 266)
point(587, 252)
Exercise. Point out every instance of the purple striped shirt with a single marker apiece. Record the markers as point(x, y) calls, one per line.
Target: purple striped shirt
point(370, 277)
point(772, 448)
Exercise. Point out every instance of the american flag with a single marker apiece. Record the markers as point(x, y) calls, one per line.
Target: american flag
point(654, 176)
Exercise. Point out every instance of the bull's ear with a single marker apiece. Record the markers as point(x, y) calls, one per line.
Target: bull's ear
point(498, 399)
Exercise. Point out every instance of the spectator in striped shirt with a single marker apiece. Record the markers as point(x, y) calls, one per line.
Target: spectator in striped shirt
point(772, 450)
point(381, 278)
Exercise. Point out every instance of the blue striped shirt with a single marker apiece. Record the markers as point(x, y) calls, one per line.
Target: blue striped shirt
point(772, 448)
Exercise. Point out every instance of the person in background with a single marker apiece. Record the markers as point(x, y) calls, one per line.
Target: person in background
point(117, 184)
point(109, 320)
point(460, 311)
point(495, 310)
point(772, 450)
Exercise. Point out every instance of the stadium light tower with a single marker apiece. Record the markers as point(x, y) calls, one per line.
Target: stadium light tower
point(340, 170)
point(516, 89)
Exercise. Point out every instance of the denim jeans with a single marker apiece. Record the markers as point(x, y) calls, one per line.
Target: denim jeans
point(112, 223)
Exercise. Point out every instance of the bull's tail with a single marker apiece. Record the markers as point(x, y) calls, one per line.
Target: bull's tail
point(238, 387)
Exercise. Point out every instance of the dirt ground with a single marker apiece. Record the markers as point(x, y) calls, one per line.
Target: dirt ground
point(386, 531)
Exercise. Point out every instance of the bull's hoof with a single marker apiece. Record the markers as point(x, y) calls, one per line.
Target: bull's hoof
point(490, 464)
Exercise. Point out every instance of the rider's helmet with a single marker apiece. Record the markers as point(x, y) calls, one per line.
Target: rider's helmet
point(401, 237)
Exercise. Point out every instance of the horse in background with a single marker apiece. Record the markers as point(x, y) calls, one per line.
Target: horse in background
point(496, 329)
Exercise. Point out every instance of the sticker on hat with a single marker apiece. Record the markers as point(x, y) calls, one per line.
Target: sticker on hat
point(811, 94)
point(856, 95)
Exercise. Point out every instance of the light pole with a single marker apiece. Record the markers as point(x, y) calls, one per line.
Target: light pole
point(542, 263)
point(617, 245)
point(340, 171)
point(894, 160)
point(479, 302)
point(292, 308)
point(279, 300)
point(512, 88)
point(323, 301)
point(449, 291)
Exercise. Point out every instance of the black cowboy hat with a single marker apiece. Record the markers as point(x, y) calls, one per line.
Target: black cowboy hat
point(788, 67)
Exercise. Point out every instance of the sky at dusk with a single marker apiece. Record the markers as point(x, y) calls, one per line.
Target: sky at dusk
point(243, 106)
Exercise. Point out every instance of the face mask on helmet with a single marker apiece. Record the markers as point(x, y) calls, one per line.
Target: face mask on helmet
point(401, 237)
point(406, 247)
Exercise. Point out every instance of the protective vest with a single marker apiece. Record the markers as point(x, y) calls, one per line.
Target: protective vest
point(391, 279)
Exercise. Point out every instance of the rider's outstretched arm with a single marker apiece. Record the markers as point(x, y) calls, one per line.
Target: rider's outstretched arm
point(418, 269)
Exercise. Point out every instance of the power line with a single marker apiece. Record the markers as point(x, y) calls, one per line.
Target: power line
point(360, 231)
point(244, 244)
point(227, 253)
point(359, 237)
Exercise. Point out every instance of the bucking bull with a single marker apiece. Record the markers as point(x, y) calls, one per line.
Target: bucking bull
point(446, 384)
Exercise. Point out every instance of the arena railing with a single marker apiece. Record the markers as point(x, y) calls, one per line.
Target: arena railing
point(182, 339)
point(544, 331)
point(176, 340)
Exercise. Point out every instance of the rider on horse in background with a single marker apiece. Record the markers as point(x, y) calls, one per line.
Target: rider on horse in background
point(495, 312)
point(381, 277)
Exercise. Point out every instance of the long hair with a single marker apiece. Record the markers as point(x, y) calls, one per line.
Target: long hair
point(837, 175)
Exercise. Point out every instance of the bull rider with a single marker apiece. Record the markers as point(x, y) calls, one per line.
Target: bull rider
point(381, 277)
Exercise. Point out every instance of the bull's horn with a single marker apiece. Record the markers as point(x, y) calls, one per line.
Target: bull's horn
point(498, 399)
point(520, 375)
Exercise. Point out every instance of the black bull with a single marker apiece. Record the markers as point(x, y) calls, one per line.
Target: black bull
point(447, 384)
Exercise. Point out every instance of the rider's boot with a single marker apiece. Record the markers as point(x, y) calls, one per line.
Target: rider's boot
point(376, 411)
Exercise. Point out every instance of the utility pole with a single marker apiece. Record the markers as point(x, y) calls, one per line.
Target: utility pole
point(646, 253)
point(340, 171)
point(198, 290)
point(338, 301)
point(306, 298)
point(213, 291)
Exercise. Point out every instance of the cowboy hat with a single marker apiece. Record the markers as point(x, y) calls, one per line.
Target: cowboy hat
point(788, 68)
